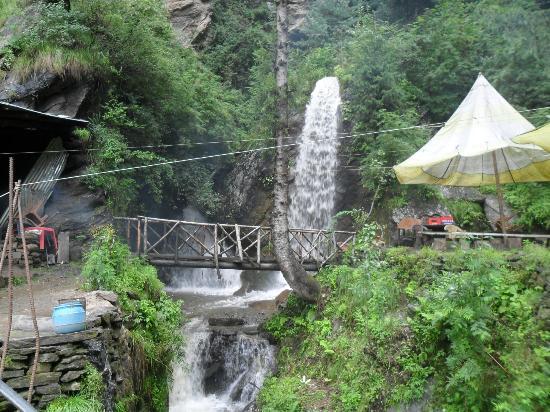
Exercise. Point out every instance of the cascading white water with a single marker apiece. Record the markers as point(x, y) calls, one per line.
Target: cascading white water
point(246, 360)
point(205, 281)
point(312, 195)
point(223, 372)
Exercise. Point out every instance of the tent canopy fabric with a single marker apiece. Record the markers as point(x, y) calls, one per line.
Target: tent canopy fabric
point(539, 137)
point(462, 153)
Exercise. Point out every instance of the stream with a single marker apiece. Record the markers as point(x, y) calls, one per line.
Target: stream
point(226, 358)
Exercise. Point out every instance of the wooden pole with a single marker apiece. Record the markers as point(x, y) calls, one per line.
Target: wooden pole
point(239, 246)
point(176, 242)
point(216, 252)
point(259, 246)
point(138, 240)
point(499, 196)
point(145, 237)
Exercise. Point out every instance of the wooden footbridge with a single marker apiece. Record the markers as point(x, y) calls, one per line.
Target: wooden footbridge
point(225, 246)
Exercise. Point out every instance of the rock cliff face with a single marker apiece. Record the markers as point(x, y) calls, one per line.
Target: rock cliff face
point(190, 19)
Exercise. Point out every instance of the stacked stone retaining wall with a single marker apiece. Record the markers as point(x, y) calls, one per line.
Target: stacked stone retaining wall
point(106, 345)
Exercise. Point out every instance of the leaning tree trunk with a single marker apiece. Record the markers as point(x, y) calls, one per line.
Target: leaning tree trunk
point(298, 279)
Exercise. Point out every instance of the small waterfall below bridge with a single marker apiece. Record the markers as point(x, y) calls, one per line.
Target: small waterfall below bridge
point(226, 363)
point(312, 195)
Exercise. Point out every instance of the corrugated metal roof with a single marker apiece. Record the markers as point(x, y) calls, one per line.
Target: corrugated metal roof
point(48, 166)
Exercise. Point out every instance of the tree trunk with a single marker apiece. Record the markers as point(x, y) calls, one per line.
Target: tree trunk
point(298, 279)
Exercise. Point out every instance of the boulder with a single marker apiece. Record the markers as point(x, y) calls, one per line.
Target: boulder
point(493, 215)
point(190, 19)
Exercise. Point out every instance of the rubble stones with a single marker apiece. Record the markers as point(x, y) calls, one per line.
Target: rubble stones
point(72, 376)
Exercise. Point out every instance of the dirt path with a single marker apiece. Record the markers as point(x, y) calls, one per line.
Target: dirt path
point(49, 285)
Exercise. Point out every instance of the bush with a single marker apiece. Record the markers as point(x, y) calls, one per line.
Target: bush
point(154, 319)
point(468, 215)
point(394, 326)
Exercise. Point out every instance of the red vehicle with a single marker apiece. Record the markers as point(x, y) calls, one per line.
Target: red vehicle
point(437, 221)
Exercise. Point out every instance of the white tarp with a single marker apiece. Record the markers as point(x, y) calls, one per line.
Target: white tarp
point(461, 153)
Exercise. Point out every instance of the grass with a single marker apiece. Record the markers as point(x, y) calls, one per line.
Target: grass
point(77, 64)
point(87, 400)
point(9, 8)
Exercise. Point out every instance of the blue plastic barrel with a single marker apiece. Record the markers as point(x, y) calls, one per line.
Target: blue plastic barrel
point(69, 317)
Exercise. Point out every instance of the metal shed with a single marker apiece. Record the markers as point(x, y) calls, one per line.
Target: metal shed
point(36, 140)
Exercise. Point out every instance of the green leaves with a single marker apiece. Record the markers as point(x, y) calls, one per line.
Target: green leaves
point(393, 327)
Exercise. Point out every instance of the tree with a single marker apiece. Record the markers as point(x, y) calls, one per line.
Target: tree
point(298, 279)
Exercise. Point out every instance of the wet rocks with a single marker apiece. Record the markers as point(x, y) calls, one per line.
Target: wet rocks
point(225, 321)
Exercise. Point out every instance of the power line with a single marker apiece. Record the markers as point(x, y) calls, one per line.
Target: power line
point(189, 144)
point(170, 162)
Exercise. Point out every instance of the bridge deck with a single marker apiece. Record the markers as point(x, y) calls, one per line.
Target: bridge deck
point(224, 246)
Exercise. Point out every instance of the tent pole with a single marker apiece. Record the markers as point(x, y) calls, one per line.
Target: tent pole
point(499, 196)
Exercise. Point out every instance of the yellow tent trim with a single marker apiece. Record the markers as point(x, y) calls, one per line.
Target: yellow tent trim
point(540, 137)
point(534, 172)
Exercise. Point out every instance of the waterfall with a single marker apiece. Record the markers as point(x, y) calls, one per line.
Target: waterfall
point(312, 195)
point(223, 372)
point(224, 367)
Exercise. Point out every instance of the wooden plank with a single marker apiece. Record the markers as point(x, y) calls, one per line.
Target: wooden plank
point(226, 265)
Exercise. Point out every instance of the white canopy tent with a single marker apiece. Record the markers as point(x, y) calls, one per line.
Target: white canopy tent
point(475, 147)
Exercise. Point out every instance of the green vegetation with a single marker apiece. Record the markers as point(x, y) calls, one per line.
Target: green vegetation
point(89, 398)
point(468, 215)
point(454, 331)
point(152, 93)
point(151, 315)
point(400, 63)
point(532, 202)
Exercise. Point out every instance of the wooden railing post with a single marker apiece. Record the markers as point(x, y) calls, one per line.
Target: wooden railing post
point(259, 254)
point(176, 243)
point(145, 237)
point(138, 240)
point(216, 252)
point(239, 246)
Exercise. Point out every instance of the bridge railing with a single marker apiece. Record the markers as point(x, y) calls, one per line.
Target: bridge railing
point(178, 241)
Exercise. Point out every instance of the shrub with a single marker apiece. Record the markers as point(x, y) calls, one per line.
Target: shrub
point(153, 318)
point(89, 397)
point(394, 326)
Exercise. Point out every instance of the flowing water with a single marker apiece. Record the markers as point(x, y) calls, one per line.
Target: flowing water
point(225, 366)
point(313, 193)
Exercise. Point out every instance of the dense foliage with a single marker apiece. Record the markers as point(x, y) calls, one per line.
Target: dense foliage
point(400, 63)
point(148, 91)
point(151, 315)
point(455, 331)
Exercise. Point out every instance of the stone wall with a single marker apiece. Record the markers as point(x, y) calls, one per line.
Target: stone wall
point(105, 344)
